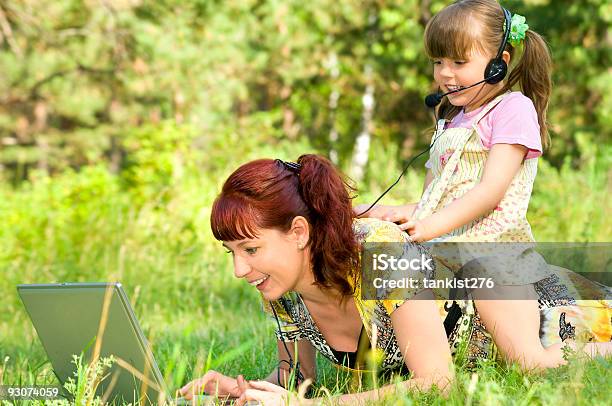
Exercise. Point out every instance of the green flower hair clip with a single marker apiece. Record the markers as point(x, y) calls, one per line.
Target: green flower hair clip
point(518, 28)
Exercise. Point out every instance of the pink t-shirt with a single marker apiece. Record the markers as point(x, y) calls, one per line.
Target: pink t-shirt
point(513, 121)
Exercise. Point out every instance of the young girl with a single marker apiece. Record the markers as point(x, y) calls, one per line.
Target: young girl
point(481, 171)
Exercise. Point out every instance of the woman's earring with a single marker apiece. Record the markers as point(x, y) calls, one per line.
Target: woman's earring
point(300, 246)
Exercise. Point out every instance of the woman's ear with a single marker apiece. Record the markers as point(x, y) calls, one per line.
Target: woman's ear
point(300, 231)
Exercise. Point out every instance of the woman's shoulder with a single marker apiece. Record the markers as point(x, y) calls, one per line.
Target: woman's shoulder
point(375, 230)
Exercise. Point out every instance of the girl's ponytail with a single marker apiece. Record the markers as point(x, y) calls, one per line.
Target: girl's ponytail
point(533, 74)
point(334, 248)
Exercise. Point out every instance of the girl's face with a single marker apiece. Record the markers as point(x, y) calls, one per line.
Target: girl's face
point(452, 74)
point(273, 262)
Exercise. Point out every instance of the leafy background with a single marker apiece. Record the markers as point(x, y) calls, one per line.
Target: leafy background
point(119, 120)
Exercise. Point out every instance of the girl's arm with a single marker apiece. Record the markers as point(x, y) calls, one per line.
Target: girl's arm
point(420, 334)
point(503, 163)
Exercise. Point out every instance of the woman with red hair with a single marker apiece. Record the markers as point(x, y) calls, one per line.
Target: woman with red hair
point(293, 236)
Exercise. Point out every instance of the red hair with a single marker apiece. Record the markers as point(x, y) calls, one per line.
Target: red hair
point(267, 194)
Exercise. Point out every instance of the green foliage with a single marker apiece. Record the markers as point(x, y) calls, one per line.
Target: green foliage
point(569, 205)
point(87, 377)
point(119, 121)
point(54, 217)
point(82, 78)
point(157, 157)
point(92, 225)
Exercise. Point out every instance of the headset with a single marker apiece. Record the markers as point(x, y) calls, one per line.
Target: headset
point(494, 72)
point(497, 68)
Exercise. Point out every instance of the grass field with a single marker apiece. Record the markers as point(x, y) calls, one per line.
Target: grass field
point(155, 240)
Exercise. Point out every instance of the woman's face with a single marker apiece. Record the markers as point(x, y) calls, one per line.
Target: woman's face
point(273, 262)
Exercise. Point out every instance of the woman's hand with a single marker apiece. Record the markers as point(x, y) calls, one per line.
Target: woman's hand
point(395, 214)
point(268, 394)
point(265, 393)
point(216, 384)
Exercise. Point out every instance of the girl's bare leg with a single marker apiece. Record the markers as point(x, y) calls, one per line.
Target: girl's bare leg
point(515, 327)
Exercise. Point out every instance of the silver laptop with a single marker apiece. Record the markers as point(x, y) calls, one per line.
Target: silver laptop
point(68, 318)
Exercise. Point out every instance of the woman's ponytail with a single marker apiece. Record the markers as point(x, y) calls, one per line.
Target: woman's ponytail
point(334, 248)
point(533, 74)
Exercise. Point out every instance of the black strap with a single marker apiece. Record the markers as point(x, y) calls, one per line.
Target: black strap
point(452, 317)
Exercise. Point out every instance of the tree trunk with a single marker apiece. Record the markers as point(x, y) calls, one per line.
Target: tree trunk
point(333, 106)
point(362, 143)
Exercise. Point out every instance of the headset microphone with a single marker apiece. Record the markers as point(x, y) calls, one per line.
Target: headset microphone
point(432, 100)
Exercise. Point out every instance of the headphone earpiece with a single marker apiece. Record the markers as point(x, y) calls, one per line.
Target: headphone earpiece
point(495, 71)
point(497, 68)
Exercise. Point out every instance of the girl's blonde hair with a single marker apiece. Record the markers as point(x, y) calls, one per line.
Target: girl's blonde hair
point(477, 26)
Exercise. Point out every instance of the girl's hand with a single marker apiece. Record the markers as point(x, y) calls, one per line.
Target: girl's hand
point(417, 230)
point(215, 383)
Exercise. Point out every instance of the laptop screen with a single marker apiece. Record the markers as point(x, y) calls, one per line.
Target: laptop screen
point(95, 318)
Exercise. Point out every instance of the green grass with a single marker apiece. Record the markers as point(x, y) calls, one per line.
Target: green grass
point(153, 236)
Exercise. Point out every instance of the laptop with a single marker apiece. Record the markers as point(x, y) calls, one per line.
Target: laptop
point(68, 317)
